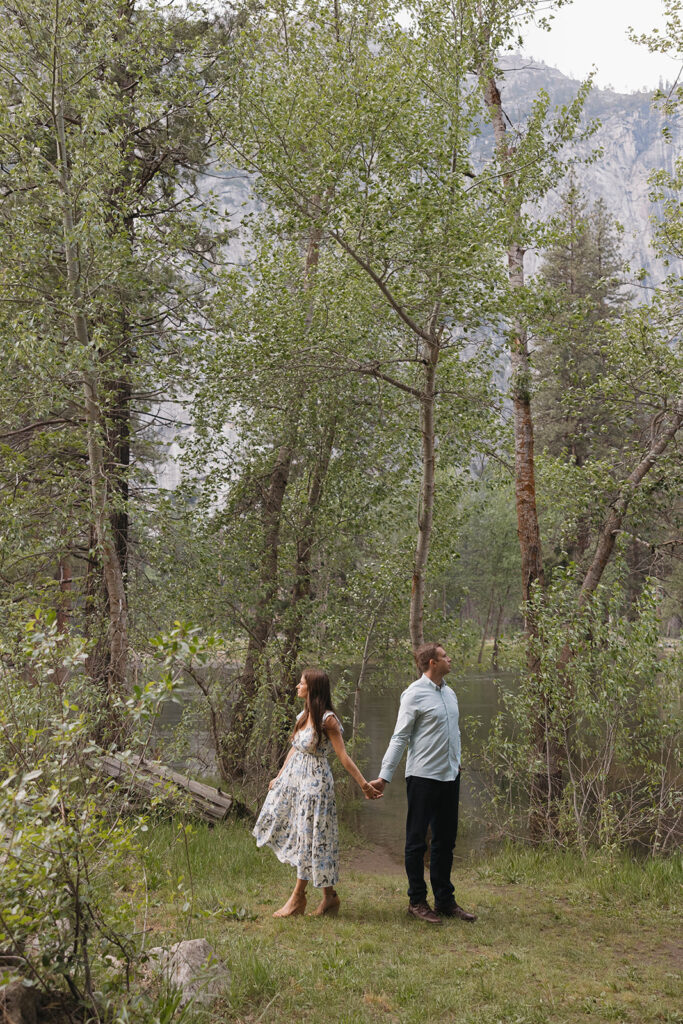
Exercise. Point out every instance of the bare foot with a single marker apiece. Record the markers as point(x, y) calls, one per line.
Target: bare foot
point(328, 905)
point(294, 905)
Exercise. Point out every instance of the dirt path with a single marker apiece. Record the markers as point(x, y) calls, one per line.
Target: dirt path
point(374, 860)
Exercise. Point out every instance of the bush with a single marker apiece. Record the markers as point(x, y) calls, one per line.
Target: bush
point(71, 891)
point(605, 699)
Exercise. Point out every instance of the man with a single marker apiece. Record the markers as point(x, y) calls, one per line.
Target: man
point(427, 724)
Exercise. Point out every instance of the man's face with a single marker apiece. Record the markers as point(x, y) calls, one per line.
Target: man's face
point(442, 663)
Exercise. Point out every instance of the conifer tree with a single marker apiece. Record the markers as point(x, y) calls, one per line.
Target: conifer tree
point(583, 273)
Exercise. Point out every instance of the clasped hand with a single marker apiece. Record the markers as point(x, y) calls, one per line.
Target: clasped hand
point(370, 792)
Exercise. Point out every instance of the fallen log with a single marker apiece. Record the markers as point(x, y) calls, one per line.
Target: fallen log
point(153, 779)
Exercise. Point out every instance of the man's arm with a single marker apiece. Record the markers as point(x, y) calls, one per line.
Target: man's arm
point(403, 730)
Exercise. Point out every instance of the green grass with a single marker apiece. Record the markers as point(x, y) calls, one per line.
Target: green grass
point(558, 941)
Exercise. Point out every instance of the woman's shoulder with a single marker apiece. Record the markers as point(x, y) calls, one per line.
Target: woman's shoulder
point(332, 715)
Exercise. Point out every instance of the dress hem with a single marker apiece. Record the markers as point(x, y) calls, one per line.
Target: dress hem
point(284, 859)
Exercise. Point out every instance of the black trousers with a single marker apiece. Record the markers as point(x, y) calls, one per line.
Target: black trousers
point(434, 804)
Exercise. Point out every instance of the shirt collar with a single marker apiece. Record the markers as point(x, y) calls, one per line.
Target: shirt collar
point(430, 682)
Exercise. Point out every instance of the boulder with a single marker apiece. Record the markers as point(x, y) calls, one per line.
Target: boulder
point(190, 966)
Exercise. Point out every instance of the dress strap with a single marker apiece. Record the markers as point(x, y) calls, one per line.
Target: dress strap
point(327, 715)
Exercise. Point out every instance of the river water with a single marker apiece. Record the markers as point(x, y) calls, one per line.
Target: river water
point(382, 822)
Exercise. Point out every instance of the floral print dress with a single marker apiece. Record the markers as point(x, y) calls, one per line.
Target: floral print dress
point(298, 819)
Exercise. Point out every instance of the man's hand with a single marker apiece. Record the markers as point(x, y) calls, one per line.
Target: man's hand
point(379, 784)
point(370, 792)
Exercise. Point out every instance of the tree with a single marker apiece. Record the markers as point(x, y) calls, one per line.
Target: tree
point(542, 153)
point(584, 273)
point(273, 372)
point(361, 128)
point(529, 162)
point(100, 151)
point(581, 288)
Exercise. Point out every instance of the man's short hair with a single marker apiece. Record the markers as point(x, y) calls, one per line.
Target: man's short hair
point(426, 653)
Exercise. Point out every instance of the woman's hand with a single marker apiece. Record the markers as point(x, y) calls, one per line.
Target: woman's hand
point(370, 793)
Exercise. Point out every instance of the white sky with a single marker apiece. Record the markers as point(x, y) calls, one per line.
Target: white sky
point(594, 32)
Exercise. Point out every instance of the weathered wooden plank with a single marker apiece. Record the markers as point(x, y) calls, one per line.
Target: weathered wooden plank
point(200, 788)
point(147, 776)
point(219, 803)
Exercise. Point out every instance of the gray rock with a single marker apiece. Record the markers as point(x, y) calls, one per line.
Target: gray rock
point(18, 1003)
point(191, 967)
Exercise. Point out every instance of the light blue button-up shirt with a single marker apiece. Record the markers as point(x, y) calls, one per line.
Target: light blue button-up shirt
point(427, 724)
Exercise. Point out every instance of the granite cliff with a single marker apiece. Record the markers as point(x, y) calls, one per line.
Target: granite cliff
point(632, 144)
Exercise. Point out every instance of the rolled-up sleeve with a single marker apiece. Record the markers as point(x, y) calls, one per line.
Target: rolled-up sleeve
point(403, 730)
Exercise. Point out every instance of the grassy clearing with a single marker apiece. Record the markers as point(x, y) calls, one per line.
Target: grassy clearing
point(557, 941)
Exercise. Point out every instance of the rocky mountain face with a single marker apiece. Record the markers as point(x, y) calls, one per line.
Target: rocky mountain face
point(630, 138)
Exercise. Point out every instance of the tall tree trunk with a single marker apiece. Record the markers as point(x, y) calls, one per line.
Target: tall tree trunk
point(100, 496)
point(528, 529)
point(119, 388)
point(233, 756)
point(525, 484)
point(425, 516)
point(547, 785)
point(302, 587)
point(485, 629)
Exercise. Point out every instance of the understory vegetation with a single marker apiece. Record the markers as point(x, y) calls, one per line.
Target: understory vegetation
point(277, 387)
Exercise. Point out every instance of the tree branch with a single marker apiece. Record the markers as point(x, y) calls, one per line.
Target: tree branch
point(395, 305)
point(608, 534)
point(36, 426)
point(374, 371)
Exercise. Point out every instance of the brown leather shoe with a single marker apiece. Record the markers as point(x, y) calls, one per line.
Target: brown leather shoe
point(423, 912)
point(455, 910)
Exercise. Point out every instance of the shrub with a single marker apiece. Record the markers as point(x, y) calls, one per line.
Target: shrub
point(606, 698)
point(71, 892)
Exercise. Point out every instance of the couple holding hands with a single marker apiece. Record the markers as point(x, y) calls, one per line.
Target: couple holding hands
point(298, 819)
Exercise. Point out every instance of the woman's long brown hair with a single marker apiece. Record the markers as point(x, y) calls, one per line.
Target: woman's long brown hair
point(318, 701)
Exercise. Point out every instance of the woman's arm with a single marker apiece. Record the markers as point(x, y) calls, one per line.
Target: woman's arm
point(333, 731)
point(273, 781)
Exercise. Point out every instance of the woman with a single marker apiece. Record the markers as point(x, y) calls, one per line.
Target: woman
point(299, 817)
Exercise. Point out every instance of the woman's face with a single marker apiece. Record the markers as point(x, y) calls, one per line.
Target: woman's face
point(302, 689)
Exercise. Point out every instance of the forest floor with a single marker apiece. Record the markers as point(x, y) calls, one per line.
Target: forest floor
point(557, 941)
